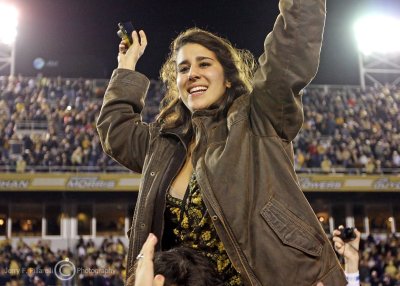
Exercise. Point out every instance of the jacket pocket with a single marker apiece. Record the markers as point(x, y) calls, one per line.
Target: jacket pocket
point(291, 230)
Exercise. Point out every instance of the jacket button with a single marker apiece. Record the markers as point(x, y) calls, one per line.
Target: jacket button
point(214, 217)
point(152, 174)
point(142, 225)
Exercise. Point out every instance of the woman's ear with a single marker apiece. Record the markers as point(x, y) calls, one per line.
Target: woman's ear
point(228, 84)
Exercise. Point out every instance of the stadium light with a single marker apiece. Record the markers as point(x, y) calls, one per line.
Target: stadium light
point(379, 49)
point(8, 23)
point(378, 34)
point(8, 35)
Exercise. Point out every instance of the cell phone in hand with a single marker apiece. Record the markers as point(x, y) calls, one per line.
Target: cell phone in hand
point(125, 32)
point(347, 234)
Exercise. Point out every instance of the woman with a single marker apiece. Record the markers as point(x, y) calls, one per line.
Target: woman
point(217, 165)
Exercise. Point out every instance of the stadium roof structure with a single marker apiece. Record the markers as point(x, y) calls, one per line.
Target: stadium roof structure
point(379, 50)
point(8, 34)
point(379, 69)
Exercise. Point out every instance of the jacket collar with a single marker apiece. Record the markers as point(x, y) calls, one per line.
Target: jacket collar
point(185, 131)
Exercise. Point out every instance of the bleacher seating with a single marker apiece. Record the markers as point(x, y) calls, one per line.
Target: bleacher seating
point(48, 124)
point(379, 261)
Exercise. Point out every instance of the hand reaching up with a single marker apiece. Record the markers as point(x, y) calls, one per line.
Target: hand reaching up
point(128, 57)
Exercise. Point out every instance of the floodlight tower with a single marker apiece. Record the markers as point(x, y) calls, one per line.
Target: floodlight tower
point(378, 50)
point(8, 34)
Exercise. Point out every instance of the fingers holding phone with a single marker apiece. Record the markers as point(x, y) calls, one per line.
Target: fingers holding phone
point(132, 46)
point(128, 57)
point(125, 32)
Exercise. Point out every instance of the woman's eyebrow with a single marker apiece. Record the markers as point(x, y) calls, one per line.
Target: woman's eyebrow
point(198, 59)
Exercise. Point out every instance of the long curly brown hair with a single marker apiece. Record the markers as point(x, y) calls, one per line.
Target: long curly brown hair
point(239, 66)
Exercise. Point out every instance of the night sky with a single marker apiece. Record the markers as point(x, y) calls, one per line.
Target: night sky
point(77, 38)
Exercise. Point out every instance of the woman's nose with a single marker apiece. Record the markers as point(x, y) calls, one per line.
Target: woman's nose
point(193, 73)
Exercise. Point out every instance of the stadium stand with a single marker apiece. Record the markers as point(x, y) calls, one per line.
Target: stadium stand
point(48, 124)
point(350, 130)
point(91, 264)
point(104, 264)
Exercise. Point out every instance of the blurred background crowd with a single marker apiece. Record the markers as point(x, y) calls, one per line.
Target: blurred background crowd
point(48, 124)
point(104, 264)
point(86, 264)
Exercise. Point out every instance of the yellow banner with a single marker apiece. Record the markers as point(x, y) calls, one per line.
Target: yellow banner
point(69, 182)
point(130, 182)
point(361, 183)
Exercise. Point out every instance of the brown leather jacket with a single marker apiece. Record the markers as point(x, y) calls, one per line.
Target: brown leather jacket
point(243, 162)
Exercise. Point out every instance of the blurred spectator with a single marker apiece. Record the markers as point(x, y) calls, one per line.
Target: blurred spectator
point(21, 165)
point(370, 166)
point(76, 158)
point(5, 277)
point(326, 165)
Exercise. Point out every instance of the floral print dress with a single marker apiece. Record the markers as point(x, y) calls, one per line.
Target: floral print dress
point(192, 227)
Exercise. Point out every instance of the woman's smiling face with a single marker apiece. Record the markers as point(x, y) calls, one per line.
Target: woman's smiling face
point(200, 77)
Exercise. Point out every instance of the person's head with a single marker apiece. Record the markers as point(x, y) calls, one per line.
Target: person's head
point(203, 71)
point(38, 281)
point(184, 266)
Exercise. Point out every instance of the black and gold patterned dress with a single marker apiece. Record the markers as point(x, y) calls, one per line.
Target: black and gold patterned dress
point(191, 226)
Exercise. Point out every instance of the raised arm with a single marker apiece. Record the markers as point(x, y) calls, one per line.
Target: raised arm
point(122, 133)
point(288, 64)
point(350, 252)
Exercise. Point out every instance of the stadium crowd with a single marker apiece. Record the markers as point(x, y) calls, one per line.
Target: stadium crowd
point(67, 109)
point(349, 128)
point(37, 264)
point(49, 124)
point(104, 265)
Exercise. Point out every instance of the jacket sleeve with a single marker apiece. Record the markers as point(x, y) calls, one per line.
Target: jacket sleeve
point(122, 133)
point(288, 64)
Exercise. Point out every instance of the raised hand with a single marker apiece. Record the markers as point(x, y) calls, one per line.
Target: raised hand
point(349, 250)
point(128, 58)
point(144, 274)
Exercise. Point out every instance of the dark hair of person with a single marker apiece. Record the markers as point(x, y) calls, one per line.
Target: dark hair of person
point(184, 266)
point(238, 65)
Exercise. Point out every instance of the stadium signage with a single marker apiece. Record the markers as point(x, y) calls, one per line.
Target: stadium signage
point(386, 184)
point(129, 182)
point(352, 183)
point(14, 184)
point(53, 182)
point(90, 182)
point(308, 183)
